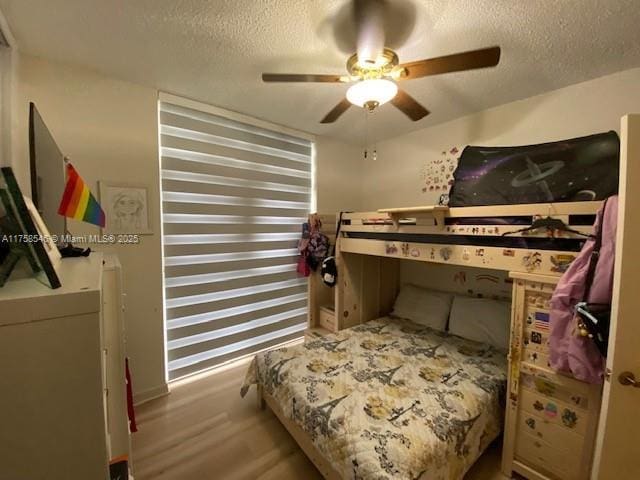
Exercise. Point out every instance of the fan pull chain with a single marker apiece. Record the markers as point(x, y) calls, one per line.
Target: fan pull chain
point(366, 126)
point(374, 153)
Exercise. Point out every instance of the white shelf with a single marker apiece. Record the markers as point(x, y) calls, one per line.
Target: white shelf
point(437, 212)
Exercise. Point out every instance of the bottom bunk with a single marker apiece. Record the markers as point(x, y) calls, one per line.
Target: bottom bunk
point(387, 399)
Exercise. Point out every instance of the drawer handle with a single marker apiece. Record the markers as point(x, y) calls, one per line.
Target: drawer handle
point(537, 444)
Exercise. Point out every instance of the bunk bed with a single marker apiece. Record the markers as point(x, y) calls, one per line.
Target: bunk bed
point(490, 237)
point(351, 395)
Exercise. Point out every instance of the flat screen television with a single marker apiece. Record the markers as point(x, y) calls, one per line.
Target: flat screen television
point(47, 173)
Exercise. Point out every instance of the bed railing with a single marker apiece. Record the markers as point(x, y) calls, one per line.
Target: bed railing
point(485, 236)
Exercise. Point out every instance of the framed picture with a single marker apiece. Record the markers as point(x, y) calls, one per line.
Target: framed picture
point(126, 208)
point(47, 242)
point(21, 237)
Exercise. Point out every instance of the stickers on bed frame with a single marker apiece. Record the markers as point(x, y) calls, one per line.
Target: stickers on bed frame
point(390, 248)
point(561, 262)
point(532, 261)
point(508, 259)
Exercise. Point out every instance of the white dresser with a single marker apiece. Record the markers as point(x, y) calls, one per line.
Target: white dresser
point(62, 384)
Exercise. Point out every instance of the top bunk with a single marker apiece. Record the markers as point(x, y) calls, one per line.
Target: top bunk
point(541, 238)
point(527, 208)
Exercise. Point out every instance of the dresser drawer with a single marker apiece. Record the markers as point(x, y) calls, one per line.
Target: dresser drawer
point(327, 319)
point(549, 432)
point(551, 417)
point(568, 390)
point(554, 411)
point(542, 456)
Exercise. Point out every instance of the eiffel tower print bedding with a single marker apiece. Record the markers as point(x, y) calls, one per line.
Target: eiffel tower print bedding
point(390, 399)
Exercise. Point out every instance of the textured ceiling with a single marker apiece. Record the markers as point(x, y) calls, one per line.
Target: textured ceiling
point(214, 51)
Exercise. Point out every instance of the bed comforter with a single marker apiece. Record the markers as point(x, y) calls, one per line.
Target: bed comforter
point(390, 399)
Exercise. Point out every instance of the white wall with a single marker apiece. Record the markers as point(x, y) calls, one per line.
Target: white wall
point(595, 106)
point(338, 176)
point(109, 130)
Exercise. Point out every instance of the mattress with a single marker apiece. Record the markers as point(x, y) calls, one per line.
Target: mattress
point(390, 399)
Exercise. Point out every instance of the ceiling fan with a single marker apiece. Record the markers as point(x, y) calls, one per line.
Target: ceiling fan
point(375, 70)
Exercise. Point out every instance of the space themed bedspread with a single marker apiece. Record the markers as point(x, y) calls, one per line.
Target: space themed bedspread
point(390, 399)
point(579, 169)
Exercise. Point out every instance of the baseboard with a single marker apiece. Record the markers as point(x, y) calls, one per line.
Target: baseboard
point(156, 392)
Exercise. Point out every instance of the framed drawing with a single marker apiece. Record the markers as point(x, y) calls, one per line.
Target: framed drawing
point(126, 208)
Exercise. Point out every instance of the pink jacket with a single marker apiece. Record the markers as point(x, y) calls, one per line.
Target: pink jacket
point(569, 352)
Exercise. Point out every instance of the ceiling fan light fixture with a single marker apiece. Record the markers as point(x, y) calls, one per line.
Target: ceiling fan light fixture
point(374, 91)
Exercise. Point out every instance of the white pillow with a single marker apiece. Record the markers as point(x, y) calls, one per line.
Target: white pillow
point(422, 306)
point(481, 319)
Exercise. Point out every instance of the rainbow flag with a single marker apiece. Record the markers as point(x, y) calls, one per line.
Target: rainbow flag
point(78, 202)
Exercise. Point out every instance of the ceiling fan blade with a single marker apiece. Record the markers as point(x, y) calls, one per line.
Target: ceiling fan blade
point(302, 77)
point(485, 57)
point(338, 110)
point(409, 106)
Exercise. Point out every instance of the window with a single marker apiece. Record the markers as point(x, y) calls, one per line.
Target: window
point(234, 195)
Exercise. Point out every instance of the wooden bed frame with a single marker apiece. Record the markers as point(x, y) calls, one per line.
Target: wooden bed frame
point(299, 435)
point(369, 275)
point(396, 222)
point(369, 269)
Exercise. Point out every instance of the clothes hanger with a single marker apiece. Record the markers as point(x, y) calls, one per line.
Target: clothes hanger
point(551, 224)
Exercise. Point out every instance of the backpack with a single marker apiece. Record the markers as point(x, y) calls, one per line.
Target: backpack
point(329, 270)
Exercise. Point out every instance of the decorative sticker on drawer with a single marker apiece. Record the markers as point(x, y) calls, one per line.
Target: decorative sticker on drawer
point(551, 410)
point(539, 300)
point(536, 337)
point(535, 358)
point(541, 320)
point(544, 386)
point(569, 418)
point(538, 340)
point(580, 401)
point(531, 357)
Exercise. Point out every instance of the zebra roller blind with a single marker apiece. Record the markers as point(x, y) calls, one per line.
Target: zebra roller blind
point(234, 196)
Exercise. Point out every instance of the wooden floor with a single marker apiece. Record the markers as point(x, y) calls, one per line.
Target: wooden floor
point(203, 430)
